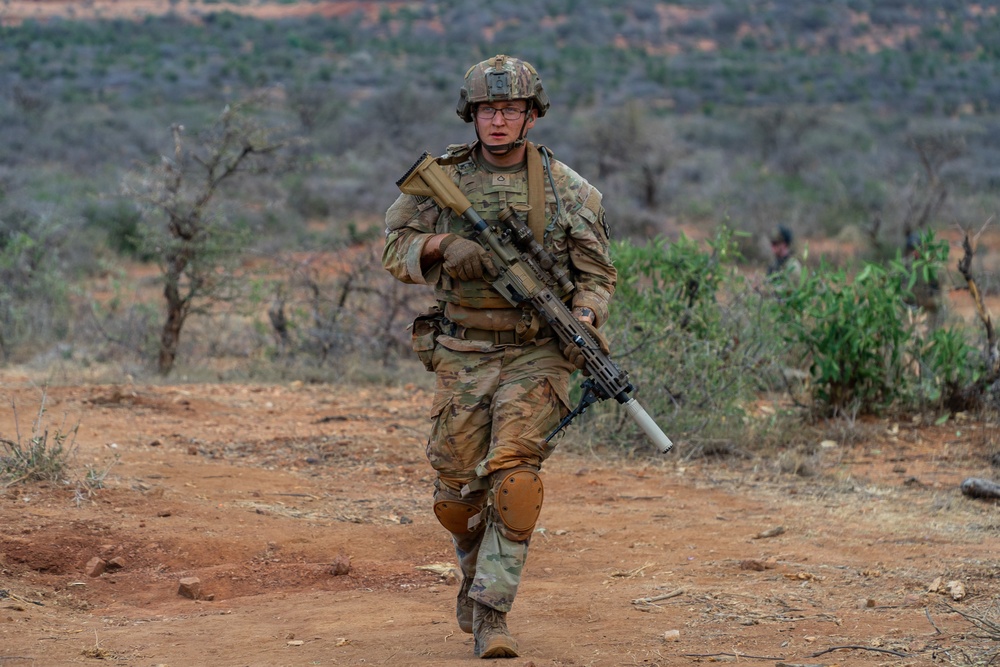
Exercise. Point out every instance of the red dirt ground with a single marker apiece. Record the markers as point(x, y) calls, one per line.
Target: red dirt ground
point(263, 491)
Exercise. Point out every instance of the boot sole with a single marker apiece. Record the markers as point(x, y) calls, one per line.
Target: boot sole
point(499, 648)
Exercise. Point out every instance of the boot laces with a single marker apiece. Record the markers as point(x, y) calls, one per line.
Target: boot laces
point(494, 622)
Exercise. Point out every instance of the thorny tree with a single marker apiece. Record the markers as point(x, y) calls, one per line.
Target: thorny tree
point(185, 225)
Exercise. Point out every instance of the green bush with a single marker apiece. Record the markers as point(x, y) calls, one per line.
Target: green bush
point(687, 329)
point(865, 350)
point(34, 301)
point(852, 333)
point(704, 347)
point(121, 222)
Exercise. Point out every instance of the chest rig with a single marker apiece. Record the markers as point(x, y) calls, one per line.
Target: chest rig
point(490, 193)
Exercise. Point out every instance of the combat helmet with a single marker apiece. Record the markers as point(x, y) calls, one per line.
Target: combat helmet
point(781, 234)
point(498, 79)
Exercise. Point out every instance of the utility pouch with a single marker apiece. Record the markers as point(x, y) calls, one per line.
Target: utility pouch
point(424, 331)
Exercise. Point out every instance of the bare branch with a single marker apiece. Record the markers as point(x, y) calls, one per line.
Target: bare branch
point(992, 347)
point(858, 648)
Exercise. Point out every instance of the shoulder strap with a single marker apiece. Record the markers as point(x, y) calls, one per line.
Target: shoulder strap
point(536, 193)
point(459, 155)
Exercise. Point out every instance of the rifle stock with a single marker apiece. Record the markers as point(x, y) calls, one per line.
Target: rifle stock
point(521, 278)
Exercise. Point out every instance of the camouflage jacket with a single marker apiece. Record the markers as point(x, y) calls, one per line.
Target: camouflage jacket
point(786, 271)
point(576, 233)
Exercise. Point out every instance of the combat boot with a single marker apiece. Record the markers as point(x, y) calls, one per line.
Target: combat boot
point(463, 606)
point(489, 627)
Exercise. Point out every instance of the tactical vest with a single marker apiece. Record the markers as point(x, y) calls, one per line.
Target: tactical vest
point(490, 193)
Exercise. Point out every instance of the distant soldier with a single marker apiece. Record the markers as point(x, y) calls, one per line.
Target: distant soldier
point(785, 269)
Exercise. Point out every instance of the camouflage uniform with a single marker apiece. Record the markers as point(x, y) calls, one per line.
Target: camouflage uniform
point(787, 270)
point(501, 387)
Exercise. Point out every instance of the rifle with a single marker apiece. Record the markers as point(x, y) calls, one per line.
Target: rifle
point(527, 273)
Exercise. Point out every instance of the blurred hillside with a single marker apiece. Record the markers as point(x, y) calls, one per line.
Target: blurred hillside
point(779, 85)
point(850, 119)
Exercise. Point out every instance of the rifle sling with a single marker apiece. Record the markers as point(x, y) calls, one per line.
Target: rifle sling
point(536, 193)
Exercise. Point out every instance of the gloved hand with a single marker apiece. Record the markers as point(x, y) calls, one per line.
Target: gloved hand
point(465, 259)
point(574, 352)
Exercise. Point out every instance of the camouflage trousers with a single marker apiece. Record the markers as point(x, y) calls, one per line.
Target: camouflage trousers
point(492, 411)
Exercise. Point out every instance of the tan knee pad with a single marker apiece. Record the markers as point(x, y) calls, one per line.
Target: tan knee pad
point(454, 512)
point(517, 499)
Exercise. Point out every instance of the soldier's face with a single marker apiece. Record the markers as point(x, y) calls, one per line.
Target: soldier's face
point(495, 128)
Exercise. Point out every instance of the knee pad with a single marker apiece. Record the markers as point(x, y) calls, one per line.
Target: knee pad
point(517, 500)
point(453, 511)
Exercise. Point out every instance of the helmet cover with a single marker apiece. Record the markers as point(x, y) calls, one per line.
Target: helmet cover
point(501, 78)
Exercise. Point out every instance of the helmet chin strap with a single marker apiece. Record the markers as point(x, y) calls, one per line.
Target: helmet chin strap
point(502, 149)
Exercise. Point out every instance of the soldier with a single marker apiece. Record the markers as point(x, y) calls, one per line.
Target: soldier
point(785, 268)
point(502, 378)
point(785, 271)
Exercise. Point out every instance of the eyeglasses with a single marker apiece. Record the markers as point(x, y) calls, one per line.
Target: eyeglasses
point(509, 113)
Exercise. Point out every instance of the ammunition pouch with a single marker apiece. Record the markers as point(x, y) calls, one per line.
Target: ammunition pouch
point(424, 332)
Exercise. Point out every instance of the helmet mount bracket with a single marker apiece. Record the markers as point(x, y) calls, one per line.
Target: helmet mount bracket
point(498, 85)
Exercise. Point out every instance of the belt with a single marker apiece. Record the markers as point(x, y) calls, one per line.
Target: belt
point(508, 337)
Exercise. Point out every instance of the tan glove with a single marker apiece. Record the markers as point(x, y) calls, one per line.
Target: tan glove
point(465, 259)
point(574, 352)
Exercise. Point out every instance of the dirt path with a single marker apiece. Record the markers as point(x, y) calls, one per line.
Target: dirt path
point(265, 493)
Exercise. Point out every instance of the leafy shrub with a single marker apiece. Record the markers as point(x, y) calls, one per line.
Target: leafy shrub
point(34, 298)
point(121, 223)
point(949, 370)
point(852, 334)
point(865, 350)
point(688, 331)
point(703, 346)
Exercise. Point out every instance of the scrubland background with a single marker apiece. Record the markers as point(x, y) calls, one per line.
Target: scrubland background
point(139, 239)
